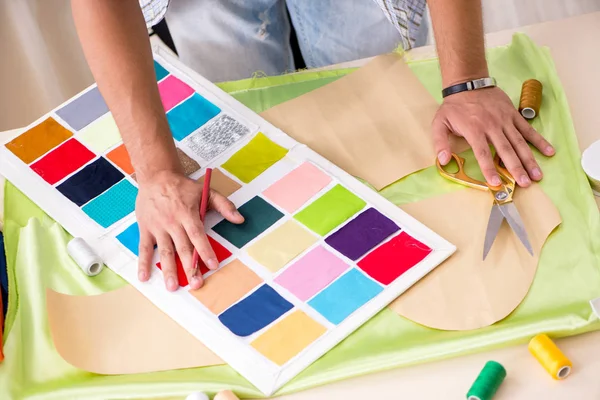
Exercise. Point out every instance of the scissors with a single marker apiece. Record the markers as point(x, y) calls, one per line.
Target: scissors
point(503, 208)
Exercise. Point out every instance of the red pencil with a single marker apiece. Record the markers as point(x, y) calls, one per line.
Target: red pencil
point(203, 207)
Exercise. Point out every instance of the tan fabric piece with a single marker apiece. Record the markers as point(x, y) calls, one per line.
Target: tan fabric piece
point(89, 330)
point(382, 104)
point(465, 292)
point(221, 183)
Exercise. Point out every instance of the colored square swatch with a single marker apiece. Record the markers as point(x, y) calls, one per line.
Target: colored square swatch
point(188, 164)
point(191, 115)
point(361, 234)
point(221, 252)
point(62, 161)
point(311, 273)
point(288, 337)
point(100, 134)
point(281, 245)
point(344, 296)
point(226, 286)
point(216, 137)
point(258, 217)
point(120, 157)
point(173, 91)
point(255, 312)
point(393, 258)
point(130, 238)
point(112, 205)
point(160, 71)
point(254, 158)
point(297, 187)
point(38, 140)
point(84, 110)
point(221, 183)
point(330, 210)
point(90, 181)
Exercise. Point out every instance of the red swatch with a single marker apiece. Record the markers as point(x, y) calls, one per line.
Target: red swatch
point(394, 258)
point(221, 252)
point(62, 161)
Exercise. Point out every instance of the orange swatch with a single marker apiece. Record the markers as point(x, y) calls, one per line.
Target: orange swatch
point(221, 183)
point(120, 157)
point(226, 286)
point(38, 140)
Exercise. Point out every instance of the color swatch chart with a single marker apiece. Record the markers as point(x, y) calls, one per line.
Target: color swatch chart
point(318, 254)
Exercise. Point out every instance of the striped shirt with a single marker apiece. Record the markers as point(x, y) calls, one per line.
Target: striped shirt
point(405, 15)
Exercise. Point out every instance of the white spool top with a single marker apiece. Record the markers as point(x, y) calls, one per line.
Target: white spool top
point(590, 161)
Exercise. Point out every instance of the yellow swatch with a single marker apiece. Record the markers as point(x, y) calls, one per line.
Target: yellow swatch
point(288, 337)
point(281, 245)
point(101, 134)
point(254, 158)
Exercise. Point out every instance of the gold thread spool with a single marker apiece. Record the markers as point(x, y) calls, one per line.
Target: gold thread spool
point(531, 98)
point(550, 356)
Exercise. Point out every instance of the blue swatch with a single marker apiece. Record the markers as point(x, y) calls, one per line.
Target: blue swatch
point(255, 312)
point(191, 115)
point(160, 71)
point(258, 217)
point(112, 205)
point(344, 296)
point(90, 181)
point(130, 238)
point(84, 110)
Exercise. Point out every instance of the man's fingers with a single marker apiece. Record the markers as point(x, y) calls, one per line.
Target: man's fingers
point(525, 154)
point(195, 231)
point(483, 155)
point(441, 141)
point(146, 251)
point(226, 208)
point(509, 157)
point(533, 137)
point(185, 250)
point(167, 261)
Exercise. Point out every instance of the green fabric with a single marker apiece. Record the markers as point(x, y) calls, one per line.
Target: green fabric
point(568, 275)
point(254, 158)
point(330, 210)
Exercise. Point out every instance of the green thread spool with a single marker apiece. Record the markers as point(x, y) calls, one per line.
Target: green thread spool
point(487, 383)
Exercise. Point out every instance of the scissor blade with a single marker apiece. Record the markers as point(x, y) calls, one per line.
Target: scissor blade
point(494, 224)
point(513, 218)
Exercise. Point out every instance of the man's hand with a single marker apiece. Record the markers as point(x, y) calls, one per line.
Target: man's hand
point(168, 214)
point(484, 117)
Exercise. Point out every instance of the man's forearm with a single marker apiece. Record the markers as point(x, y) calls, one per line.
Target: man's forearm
point(115, 41)
point(458, 28)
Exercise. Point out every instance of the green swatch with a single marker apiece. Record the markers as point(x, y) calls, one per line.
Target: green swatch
point(258, 217)
point(330, 210)
point(254, 158)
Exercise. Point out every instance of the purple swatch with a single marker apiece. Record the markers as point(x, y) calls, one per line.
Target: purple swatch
point(362, 234)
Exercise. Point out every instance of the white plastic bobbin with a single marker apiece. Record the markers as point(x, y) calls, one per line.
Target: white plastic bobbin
point(197, 396)
point(84, 256)
point(590, 161)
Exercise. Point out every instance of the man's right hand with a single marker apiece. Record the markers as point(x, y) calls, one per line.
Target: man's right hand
point(168, 214)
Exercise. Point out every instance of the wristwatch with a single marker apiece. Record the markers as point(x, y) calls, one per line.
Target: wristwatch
point(470, 85)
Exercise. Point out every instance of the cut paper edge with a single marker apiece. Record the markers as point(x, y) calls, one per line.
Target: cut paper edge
point(596, 306)
point(116, 333)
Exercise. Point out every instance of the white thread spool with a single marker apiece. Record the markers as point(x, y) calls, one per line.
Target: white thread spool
point(590, 161)
point(84, 256)
point(197, 396)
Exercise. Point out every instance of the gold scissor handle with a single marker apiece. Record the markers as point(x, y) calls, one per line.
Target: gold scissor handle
point(460, 176)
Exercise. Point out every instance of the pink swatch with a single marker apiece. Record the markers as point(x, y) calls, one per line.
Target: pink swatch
point(294, 189)
point(173, 91)
point(313, 272)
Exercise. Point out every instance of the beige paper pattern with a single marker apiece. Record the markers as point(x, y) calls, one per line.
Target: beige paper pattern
point(465, 292)
point(88, 331)
point(368, 122)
